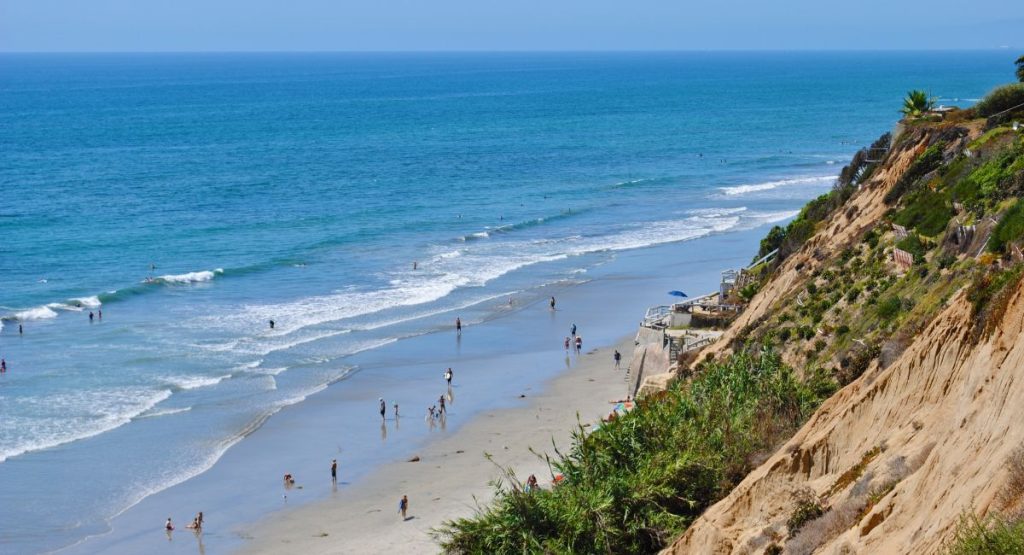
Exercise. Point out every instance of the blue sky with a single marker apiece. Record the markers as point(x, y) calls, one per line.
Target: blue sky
point(302, 25)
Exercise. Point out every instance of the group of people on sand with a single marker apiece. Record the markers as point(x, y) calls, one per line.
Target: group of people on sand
point(196, 524)
point(573, 340)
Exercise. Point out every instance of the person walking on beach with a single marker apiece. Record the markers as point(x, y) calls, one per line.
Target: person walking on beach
point(448, 377)
point(396, 411)
point(618, 358)
point(383, 408)
point(579, 344)
point(334, 471)
point(552, 303)
point(403, 506)
point(572, 331)
point(199, 519)
point(567, 343)
point(442, 411)
point(458, 326)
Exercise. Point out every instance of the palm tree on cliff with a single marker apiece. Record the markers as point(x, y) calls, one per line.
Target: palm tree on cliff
point(916, 103)
point(1020, 69)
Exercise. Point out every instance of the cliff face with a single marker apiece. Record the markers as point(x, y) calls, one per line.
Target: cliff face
point(941, 421)
point(912, 443)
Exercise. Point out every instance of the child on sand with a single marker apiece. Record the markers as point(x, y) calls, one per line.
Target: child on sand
point(403, 507)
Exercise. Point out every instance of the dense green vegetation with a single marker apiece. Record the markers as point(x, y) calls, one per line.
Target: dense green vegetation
point(926, 210)
point(639, 480)
point(989, 536)
point(1001, 99)
point(1010, 229)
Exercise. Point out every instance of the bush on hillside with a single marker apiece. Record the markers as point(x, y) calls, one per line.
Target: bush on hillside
point(990, 535)
point(1001, 99)
point(640, 479)
point(776, 235)
point(926, 210)
point(807, 508)
point(913, 244)
point(1010, 229)
point(989, 294)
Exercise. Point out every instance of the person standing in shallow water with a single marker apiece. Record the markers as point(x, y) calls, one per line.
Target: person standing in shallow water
point(448, 377)
point(271, 324)
point(552, 303)
point(334, 471)
point(458, 326)
point(383, 408)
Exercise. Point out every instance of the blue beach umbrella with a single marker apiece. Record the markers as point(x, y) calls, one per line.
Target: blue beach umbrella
point(677, 293)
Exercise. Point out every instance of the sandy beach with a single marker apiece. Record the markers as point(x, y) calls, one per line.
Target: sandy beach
point(452, 473)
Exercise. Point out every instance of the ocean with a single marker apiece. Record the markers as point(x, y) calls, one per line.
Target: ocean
point(361, 202)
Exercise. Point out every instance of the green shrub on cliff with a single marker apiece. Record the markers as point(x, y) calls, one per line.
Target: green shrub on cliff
point(1010, 229)
point(987, 536)
point(928, 211)
point(636, 482)
point(1001, 99)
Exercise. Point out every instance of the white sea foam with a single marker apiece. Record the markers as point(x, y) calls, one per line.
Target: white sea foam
point(162, 412)
point(87, 302)
point(70, 416)
point(716, 212)
point(193, 382)
point(769, 185)
point(38, 313)
point(190, 277)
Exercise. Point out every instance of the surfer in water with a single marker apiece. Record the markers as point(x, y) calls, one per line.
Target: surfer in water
point(272, 324)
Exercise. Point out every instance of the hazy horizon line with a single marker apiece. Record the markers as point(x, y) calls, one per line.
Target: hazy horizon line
point(523, 51)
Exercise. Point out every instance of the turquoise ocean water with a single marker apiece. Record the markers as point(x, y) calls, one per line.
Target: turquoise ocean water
point(193, 198)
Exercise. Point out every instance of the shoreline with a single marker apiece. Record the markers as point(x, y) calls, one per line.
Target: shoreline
point(452, 473)
point(496, 361)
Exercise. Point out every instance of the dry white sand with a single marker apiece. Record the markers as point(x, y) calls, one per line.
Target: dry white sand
point(452, 472)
